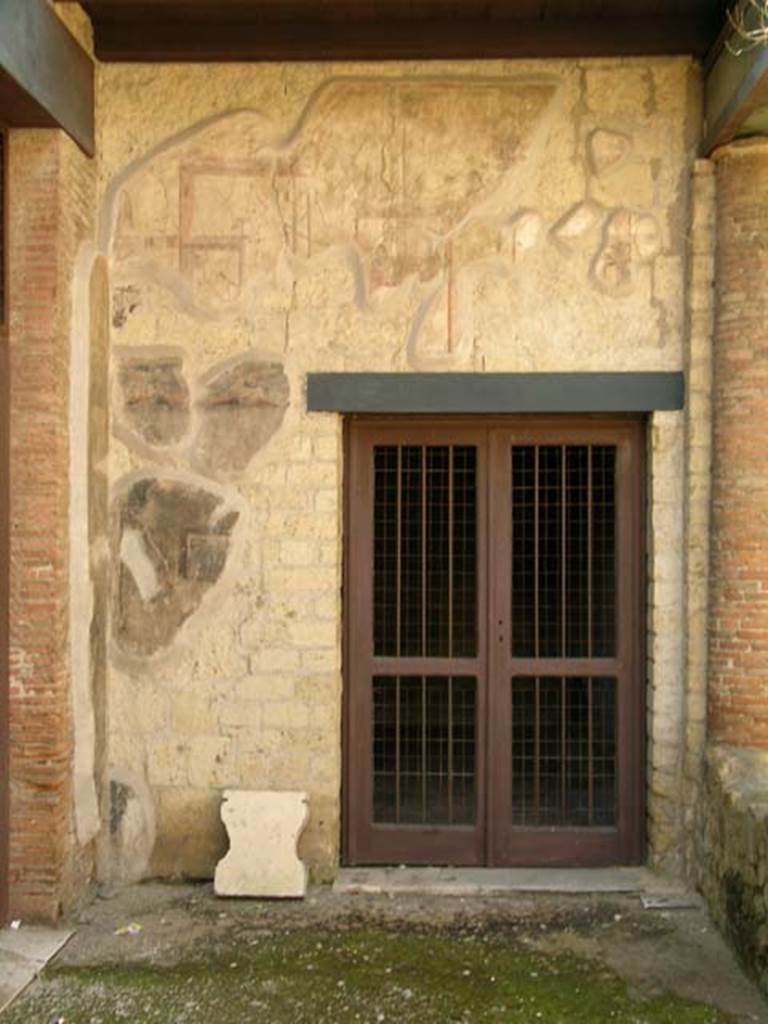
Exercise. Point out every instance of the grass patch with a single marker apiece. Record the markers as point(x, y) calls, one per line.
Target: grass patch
point(360, 976)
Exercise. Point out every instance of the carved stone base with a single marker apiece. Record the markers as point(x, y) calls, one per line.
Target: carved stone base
point(263, 828)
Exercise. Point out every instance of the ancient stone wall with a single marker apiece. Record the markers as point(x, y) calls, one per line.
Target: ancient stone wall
point(731, 835)
point(260, 222)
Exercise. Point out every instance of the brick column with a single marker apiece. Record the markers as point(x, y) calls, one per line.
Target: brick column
point(50, 195)
point(738, 622)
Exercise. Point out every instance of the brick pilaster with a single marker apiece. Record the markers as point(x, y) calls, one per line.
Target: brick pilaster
point(738, 623)
point(48, 179)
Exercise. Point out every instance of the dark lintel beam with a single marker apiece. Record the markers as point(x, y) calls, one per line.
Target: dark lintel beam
point(494, 393)
point(46, 78)
point(129, 34)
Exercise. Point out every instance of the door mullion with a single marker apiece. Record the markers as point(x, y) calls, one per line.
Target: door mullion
point(536, 458)
point(498, 753)
point(424, 748)
point(398, 549)
point(563, 739)
point(449, 766)
point(398, 753)
point(589, 553)
point(563, 553)
point(483, 549)
point(424, 550)
point(591, 750)
point(450, 552)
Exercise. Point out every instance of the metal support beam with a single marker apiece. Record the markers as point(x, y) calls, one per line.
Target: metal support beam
point(494, 392)
point(46, 78)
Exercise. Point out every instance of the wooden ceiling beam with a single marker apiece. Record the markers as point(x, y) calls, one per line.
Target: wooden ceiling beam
point(46, 78)
point(735, 88)
point(125, 36)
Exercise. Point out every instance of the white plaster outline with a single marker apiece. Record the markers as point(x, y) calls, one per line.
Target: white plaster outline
point(86, 805)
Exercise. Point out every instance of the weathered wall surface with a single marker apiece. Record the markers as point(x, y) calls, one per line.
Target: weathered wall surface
point(261, 222)
point(731, 831)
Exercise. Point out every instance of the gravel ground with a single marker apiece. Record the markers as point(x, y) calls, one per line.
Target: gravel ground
point(176, 953)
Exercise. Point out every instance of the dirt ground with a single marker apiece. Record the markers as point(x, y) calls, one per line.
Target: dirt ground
point(176, 953)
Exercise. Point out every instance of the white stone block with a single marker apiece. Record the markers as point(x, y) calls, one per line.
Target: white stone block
point(264, 828)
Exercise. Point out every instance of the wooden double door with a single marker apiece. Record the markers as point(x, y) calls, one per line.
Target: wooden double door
point(494, 710)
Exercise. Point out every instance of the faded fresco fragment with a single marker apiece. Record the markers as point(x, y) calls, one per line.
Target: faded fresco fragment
point(380, 167)
point(420, 187)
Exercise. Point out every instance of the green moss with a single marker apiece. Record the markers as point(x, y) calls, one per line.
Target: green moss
point(744, 926)
point(359, 976)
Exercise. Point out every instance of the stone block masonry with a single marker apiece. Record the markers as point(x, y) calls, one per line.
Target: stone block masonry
point(732, 844)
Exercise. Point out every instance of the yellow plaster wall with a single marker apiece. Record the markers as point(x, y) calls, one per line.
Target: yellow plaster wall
point(474, 217)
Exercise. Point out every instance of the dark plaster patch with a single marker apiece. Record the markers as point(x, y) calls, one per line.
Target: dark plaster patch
point(124, 301)
point(206, 555)
point(241, 408)
point(180, 544)
point(155, 396)
point(119, 795)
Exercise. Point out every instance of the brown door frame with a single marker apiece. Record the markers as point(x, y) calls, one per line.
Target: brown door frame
point(623, 844)
point(439, 845)
point(5, 422)
point(628, 432)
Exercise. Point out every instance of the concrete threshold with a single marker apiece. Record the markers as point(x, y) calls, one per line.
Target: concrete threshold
point(500, 881)
point(24, 951)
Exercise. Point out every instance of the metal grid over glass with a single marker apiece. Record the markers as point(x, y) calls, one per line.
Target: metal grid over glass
point(564, 751)
point(563, 551)
point(424, 749)
point(425, 551)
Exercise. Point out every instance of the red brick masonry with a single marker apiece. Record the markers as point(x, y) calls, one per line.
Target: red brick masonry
point(738, 644)
point(48, 181)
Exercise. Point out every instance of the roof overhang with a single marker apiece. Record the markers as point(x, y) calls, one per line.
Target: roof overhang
point(279, 30)
point(46, 78)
